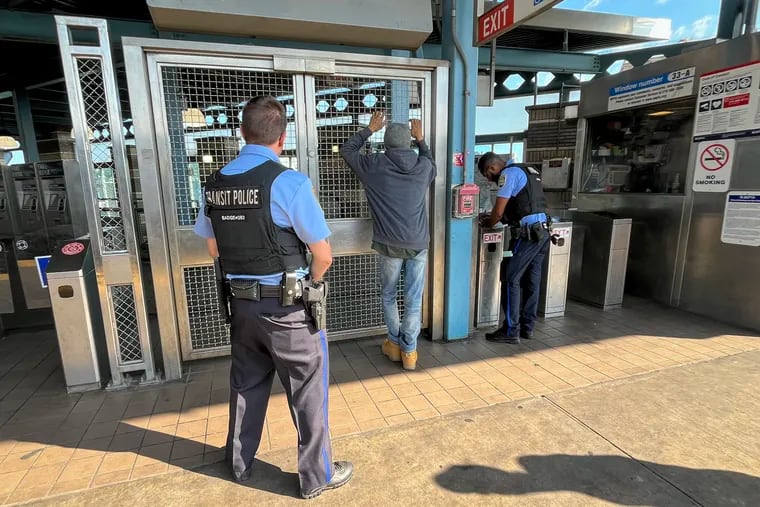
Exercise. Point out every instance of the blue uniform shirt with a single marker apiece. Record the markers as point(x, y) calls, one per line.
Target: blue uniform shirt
point(293, 204)
point(515, 180)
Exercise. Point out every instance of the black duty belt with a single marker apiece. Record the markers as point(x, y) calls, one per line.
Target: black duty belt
point(252, 290)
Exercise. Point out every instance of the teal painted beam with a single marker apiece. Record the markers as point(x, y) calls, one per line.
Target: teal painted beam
point(35, 27)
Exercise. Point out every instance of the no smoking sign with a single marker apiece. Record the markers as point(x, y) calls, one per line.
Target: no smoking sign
point(713, 166)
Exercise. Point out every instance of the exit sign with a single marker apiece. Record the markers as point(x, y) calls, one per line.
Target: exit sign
point(507, 15)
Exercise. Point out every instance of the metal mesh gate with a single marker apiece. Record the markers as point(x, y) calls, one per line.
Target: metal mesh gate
point(202, 108)
point(345, 105)
point(203, 114)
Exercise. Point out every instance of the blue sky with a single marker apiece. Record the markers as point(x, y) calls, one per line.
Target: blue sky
point(691, 19)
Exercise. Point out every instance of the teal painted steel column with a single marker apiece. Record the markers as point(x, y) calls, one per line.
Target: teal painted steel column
point(25, 123)
point(457, 36)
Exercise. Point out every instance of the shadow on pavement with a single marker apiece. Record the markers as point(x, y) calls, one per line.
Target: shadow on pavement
point(615, 479)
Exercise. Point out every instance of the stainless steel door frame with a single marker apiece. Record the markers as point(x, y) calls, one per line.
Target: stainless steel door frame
point(94, 101)
point(144, 54)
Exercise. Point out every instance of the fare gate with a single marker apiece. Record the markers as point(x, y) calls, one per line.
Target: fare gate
point(187, 100)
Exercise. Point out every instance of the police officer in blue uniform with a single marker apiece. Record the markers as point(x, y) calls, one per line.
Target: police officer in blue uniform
point(258, 218)
point(521, 205)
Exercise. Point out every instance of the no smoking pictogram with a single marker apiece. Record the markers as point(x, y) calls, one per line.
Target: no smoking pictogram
point(714, 157)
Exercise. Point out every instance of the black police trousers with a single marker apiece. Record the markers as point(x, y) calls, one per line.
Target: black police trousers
point(521, 283)
point(267, 338)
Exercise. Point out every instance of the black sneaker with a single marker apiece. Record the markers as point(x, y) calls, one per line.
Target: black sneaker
point(501, 335)
point(528, 335)
point(342, 473)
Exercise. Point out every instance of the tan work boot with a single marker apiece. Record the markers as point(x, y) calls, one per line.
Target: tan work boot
point(392, 350)
point(409, 360)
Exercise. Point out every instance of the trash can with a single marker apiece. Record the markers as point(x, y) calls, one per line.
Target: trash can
point(553, 296)
point(78, 318)
point(490, 254)
point(599, 258)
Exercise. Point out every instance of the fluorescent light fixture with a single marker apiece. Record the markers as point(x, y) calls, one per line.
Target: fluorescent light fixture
point(193, 118)
point(335, 148)
point(332, 91)
point(208, 159)
point(370, 86)
point(661, 113)
point(9, 143)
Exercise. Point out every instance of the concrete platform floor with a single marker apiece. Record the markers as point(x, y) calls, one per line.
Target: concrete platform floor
point(52, 443)
point(683, 436)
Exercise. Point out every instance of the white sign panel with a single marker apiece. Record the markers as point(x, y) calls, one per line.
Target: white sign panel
point(663, 87)
point(741, 219)
point(715, 159)
point(728, 103)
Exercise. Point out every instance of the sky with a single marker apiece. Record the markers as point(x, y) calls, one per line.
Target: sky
point(691, 19)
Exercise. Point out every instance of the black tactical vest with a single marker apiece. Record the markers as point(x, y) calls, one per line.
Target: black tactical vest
point(249, 242)
point(528, 201)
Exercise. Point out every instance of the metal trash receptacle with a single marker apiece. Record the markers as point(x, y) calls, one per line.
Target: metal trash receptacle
point(490, 254)
point(599, 258)
point(73, 287)
point(556, 269)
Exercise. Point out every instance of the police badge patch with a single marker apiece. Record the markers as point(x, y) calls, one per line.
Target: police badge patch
point(502, 180)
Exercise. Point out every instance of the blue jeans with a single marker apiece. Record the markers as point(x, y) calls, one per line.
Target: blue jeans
point(403, 332)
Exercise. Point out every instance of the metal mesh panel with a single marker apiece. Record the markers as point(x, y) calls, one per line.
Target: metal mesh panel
point(345, 105)
point(203, 112)
point(354, 301)
point(112, 236)
point(207, 329)
point(125, 317)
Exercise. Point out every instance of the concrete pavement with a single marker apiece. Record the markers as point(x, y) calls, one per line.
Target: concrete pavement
point(683, 436)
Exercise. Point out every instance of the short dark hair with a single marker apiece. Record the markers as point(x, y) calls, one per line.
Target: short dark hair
point(486, 160)
point(264, 120)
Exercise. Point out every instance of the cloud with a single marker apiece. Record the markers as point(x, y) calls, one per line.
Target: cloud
point(592, 4)
point(699, 29)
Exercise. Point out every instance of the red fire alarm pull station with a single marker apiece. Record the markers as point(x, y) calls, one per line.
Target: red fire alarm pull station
point(465, 200)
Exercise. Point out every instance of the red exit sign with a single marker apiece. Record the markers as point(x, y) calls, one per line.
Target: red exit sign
point(507, 15)
point(496, 21)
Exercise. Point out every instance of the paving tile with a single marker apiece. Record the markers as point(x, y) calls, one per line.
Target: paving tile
point(440, 399)
point(373, 424)
point(429, 413)
point(191, 429)
point(391, 408)
point(187, 448)
point(62, 487)
point(9, 481)
point(54, 455)
point(18, 461)
point(400, 419)
point(462, 394)
point(148, 471)
point(382, 394)
point(116, 461)
point(416, 403)
point(111, 478)
point(80, 468)
point(26, 495)
point(126, 441)
point(154, 454)
point(363, 413)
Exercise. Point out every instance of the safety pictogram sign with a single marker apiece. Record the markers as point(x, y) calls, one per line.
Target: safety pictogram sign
point(715, 159)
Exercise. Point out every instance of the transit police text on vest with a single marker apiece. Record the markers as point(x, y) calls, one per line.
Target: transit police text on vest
point(248, 197)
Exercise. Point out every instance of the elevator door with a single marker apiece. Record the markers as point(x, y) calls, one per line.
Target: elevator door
point(199, 109)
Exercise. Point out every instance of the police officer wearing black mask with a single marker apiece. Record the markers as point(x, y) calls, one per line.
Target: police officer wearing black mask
point(520, 204)
point(258, 218)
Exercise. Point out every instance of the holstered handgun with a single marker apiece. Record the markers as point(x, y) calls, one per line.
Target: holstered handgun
point(222, 291)
point(314, 295)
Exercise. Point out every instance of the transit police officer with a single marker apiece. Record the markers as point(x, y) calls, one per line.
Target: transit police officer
point(520, 204)
point(258, 216)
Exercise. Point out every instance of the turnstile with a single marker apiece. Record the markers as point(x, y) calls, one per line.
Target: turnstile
point(553, 297)
point(599, 258)
point(73, 287)
point(487, 291)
